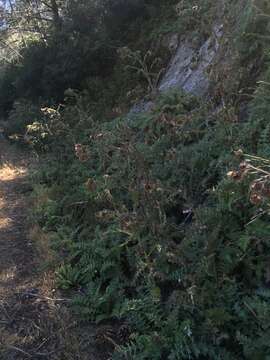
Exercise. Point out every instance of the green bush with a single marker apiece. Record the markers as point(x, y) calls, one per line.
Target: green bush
point(158, 240)
point(22, 114)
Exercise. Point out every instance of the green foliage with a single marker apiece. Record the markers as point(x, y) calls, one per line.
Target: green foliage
point(186, 17)
point(156, 238)
point(22, 114)
point(153, 235)
point(67, 277)
point(81, 47)
point(253, 30)
point(8, 76)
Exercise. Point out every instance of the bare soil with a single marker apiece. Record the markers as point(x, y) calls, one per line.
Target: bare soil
point(35, 321)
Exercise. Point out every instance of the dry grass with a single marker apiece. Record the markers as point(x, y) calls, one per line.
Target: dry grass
point(41, 242)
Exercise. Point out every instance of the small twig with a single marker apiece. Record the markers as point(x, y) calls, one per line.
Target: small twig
point(11, 347)
point(256, 217)
point(112, 342)
point(259, 170)
point(79, 203)
point(42, 344)
point(5, 311)
point(258, 158)
point(48, 298)
point(254, 314)
point(251, 311)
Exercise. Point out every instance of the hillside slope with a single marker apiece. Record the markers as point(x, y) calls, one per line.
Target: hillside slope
point(159, 216)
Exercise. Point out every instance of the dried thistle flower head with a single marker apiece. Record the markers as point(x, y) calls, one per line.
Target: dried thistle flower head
point(256, 186)
point(261, 187)
point(266, 189)
point(243, 166)
point(234, 175)
point(256, 199)
point(81, 152)
point(91, 185)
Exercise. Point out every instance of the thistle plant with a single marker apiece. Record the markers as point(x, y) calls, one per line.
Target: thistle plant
point(144, 65)
point(258, 169)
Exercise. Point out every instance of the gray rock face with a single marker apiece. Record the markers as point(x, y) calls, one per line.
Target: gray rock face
point(187, 70)
point(141, 106)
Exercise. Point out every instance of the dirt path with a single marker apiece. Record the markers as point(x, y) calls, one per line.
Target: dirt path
point(34, 322)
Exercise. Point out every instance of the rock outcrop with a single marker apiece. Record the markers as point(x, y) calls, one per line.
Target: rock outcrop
point(188, 67)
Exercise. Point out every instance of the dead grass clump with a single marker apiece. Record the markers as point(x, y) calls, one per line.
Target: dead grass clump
point(41, 242)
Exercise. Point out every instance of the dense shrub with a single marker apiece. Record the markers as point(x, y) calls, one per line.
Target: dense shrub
point(157, 237)
point(22, 114)
point(7, 89)
point(85, 47)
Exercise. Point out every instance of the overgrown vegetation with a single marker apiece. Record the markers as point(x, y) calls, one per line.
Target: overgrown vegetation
point(161, 219)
